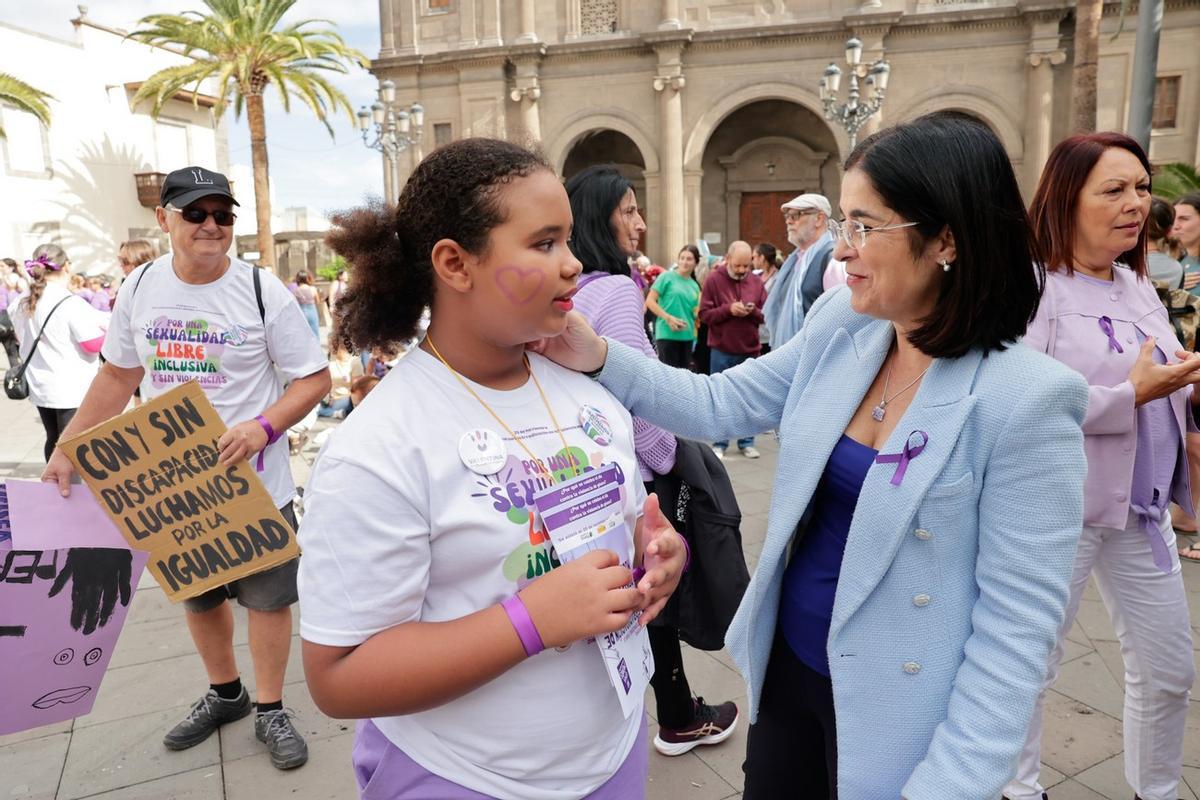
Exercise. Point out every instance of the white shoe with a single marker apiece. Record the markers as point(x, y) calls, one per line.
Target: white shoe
point(719, 452)
point(751, 452)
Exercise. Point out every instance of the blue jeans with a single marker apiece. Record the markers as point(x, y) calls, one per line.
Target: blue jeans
point(329, 409)
point(719, 361)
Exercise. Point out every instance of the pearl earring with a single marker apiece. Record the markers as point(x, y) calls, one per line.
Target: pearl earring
point(945, 265)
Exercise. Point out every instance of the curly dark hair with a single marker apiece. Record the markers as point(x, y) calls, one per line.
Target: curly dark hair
point(455, 193)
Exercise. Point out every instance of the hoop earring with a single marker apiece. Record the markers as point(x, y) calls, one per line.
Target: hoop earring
point(945, 265)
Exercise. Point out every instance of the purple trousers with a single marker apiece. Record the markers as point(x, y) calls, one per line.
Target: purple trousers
point(385, 772)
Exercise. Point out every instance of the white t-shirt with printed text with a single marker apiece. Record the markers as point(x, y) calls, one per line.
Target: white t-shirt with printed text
point(398, 529)
point(212, 333)
point(60, 371)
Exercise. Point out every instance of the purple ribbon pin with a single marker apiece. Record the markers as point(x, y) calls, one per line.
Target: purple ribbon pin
point(913, 447)
point(1107, 326)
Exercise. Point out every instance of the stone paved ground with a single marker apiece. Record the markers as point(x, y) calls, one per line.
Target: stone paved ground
point(115, 752)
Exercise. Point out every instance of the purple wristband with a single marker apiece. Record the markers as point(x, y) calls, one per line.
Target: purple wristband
point(272, 437)
point(522, 623)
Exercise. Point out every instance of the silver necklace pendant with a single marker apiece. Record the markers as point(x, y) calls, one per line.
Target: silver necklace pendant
point(878, 412)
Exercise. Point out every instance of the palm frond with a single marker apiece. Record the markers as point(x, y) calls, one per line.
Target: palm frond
point(1121, 20)
point(20, 95)
point(165, 84)
point(1174, 180)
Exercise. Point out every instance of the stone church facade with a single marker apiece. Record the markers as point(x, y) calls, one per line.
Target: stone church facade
point(712, 106)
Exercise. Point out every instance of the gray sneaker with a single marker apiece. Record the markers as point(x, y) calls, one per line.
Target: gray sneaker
point(208, 713)
point(286, 746)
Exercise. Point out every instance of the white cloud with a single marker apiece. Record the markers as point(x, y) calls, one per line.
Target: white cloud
point(349, 13)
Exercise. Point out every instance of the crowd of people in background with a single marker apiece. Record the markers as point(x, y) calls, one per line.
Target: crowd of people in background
point(1091, 429)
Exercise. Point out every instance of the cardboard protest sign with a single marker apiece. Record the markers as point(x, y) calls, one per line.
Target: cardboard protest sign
point(61, 611)
point(155, 472)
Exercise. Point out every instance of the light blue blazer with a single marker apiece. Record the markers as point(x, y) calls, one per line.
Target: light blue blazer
point(954, 583)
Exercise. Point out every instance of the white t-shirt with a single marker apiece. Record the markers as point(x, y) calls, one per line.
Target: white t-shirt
point(398, 529)
point(212, 333)
point(60, 371)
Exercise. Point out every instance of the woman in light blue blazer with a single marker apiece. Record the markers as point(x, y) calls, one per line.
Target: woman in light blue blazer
point(929, 493)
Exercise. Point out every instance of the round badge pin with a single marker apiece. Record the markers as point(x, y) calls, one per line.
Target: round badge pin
point(595, 425)
point(482, 451)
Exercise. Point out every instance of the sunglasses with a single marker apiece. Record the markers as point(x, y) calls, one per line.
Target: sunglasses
point(198, 216)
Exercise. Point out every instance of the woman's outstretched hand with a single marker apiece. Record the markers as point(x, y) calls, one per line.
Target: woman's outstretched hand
point(577, 347)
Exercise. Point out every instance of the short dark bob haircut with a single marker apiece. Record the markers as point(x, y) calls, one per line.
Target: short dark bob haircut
point(948, 169)
point(1056, 202)
point(595, 194)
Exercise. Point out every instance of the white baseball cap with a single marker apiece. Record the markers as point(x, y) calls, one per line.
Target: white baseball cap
point(807, 201)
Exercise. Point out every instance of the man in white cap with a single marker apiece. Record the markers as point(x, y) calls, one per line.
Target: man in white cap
point(801, 278)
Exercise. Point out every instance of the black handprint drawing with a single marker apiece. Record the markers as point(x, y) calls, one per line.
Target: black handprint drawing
point(99, 578)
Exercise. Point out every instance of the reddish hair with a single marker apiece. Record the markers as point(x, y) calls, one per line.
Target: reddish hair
point(1057, 198)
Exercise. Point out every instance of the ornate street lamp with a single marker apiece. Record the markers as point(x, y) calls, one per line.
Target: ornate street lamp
point(395, 129)
point(855, 112)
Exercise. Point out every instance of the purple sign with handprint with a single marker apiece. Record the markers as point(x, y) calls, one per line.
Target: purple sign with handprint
point(61, 612)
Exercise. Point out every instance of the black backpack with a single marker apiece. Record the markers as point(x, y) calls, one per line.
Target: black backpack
point(698, 499)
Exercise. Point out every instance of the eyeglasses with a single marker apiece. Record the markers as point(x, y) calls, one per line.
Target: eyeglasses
point(854, 233)
point(198, 216)
point(792, 216)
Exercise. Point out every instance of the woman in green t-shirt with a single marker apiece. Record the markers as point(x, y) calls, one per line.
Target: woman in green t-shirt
point(675, 300)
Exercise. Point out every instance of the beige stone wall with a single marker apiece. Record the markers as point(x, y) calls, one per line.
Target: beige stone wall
point(710, 101)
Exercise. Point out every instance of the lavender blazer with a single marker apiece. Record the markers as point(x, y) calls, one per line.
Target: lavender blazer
point(1068, 327)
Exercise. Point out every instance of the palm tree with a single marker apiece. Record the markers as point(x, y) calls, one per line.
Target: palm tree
point(17, 93)
point(1086, 65)
point(242, 47)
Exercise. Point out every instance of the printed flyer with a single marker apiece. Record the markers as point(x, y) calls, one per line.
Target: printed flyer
point(585, 514)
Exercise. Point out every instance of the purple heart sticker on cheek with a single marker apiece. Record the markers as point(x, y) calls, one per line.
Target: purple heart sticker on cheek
point(519, 284)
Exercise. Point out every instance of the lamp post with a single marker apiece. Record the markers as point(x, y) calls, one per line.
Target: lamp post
point(395, 129)
point(855, 112)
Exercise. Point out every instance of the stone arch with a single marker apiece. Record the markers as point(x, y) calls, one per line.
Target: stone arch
point(710, 120)
point(987, 106)
point(576, 127)
point(752, 151)
point(798, 148)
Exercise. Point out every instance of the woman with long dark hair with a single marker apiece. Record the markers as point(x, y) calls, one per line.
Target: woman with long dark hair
point(607, 229)
point(67, 357)
point(1102, 318)
point(929, 492)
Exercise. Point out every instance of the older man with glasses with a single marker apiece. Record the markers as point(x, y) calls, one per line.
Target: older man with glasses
point(264, 336)
point(801, 278)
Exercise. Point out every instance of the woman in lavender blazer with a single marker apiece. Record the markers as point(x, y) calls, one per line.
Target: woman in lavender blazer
point(929, 491)
point(1103, 319)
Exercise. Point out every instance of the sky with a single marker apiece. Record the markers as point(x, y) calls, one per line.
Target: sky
point(307, 167)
